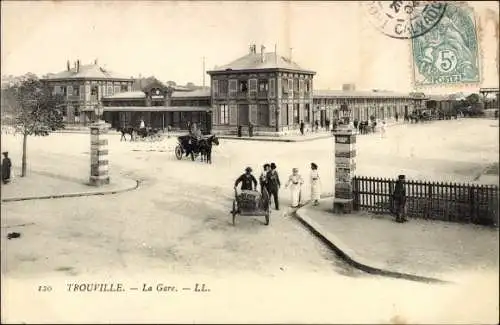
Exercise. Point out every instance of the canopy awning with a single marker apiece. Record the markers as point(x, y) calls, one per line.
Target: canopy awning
point(156, 109)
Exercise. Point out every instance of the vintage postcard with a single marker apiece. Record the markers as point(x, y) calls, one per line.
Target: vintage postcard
point(250, 162)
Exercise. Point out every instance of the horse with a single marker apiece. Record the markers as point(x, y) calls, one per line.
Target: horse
point(126, 130)
point(206, 148)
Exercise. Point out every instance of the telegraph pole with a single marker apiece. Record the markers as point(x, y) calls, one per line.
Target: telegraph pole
point(203, 72)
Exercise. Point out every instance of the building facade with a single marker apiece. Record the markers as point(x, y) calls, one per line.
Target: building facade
point(83, 86)
point(361, 105)
point(265, 90)
point(160, 107)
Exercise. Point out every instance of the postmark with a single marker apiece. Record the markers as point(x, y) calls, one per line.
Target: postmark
point(448, 54)
point(405, 19)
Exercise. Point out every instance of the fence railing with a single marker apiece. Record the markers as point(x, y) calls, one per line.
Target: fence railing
point(466, 203)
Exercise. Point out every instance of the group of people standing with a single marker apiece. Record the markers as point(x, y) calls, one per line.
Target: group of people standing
point(270, 182)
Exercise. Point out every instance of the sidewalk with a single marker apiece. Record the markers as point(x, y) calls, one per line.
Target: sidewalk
point(284, 138)
point(422, 248)
point(42, 185)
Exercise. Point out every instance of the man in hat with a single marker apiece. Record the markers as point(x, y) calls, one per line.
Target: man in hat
point(263, 178)
point(6, 166)
point(399, 199)
point(273, 184)
point(247, 180)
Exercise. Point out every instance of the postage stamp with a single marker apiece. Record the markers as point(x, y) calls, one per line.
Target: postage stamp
point(448, 54)
point(404, 19)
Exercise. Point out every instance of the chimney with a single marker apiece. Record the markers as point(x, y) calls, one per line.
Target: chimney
point(95, 61)
point(262, 48)
point(77, 65)
point(67, 66)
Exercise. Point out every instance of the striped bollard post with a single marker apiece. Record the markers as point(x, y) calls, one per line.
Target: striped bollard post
point(345, 166)
point(98, 155)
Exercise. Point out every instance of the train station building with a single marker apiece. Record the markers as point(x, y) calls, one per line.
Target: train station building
point(263, 89)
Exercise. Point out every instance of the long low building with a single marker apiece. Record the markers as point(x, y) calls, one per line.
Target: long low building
point(159, 106)
point(361, 105)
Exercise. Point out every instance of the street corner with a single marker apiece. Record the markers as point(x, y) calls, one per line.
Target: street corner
point(324, 224)
point(44, 186)
point(308, 216)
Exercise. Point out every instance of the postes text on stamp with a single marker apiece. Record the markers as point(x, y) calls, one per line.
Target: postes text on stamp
point(404, 19)
point(448, 54)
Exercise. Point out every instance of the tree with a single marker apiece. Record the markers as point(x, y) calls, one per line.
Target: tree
point(36, 110)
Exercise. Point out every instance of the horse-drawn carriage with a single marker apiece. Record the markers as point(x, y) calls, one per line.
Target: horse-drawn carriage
point(189, 145)
point(251, 203)
point(151, 134)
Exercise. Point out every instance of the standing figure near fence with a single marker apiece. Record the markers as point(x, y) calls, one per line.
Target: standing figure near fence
point(399, 200)
point(315, 184)
point(295, 182)
point(6, 168)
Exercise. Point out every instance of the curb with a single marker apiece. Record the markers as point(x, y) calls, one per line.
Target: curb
point(350, 257)
point(70, 195)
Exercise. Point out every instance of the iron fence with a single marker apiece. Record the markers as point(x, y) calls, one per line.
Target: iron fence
point(466, 203)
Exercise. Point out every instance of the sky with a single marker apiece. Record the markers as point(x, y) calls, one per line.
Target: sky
point(168, 39)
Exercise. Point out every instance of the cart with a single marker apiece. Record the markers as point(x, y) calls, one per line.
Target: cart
point(251, 203)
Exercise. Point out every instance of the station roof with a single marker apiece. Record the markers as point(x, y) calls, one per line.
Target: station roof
point(205, 92)
point(176, 94)
point(87, 71)
point(156, 108)
point(358, 94)
point(253, 61)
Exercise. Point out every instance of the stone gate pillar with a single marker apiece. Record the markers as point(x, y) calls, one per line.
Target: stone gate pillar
point(98, 154)
point(345, 166)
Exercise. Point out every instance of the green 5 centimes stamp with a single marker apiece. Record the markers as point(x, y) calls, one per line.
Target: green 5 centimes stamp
point(448, 53)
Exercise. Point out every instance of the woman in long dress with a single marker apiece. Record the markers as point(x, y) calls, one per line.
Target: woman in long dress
point(295, 182)
point(315, 184)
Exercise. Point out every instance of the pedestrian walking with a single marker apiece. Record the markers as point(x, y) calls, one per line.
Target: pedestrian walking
point(399, 199)
point(273, 185)
point(316, 125)
point(302, 127)
point(6, 168)
point(327, 123)
point(382, 129)
point(396, 116)
point(263, 178)
point(315, 184)
point(247, 180)
point(295, 182)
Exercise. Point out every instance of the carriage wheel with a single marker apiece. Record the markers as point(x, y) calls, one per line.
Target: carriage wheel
point(178, 152)
point(234, 212)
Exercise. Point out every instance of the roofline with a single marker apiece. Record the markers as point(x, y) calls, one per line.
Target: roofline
point(82, 78)
point(158, 108)
point(317, 96)
point(189, 97)
point(210, 72)
point(127, 98)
